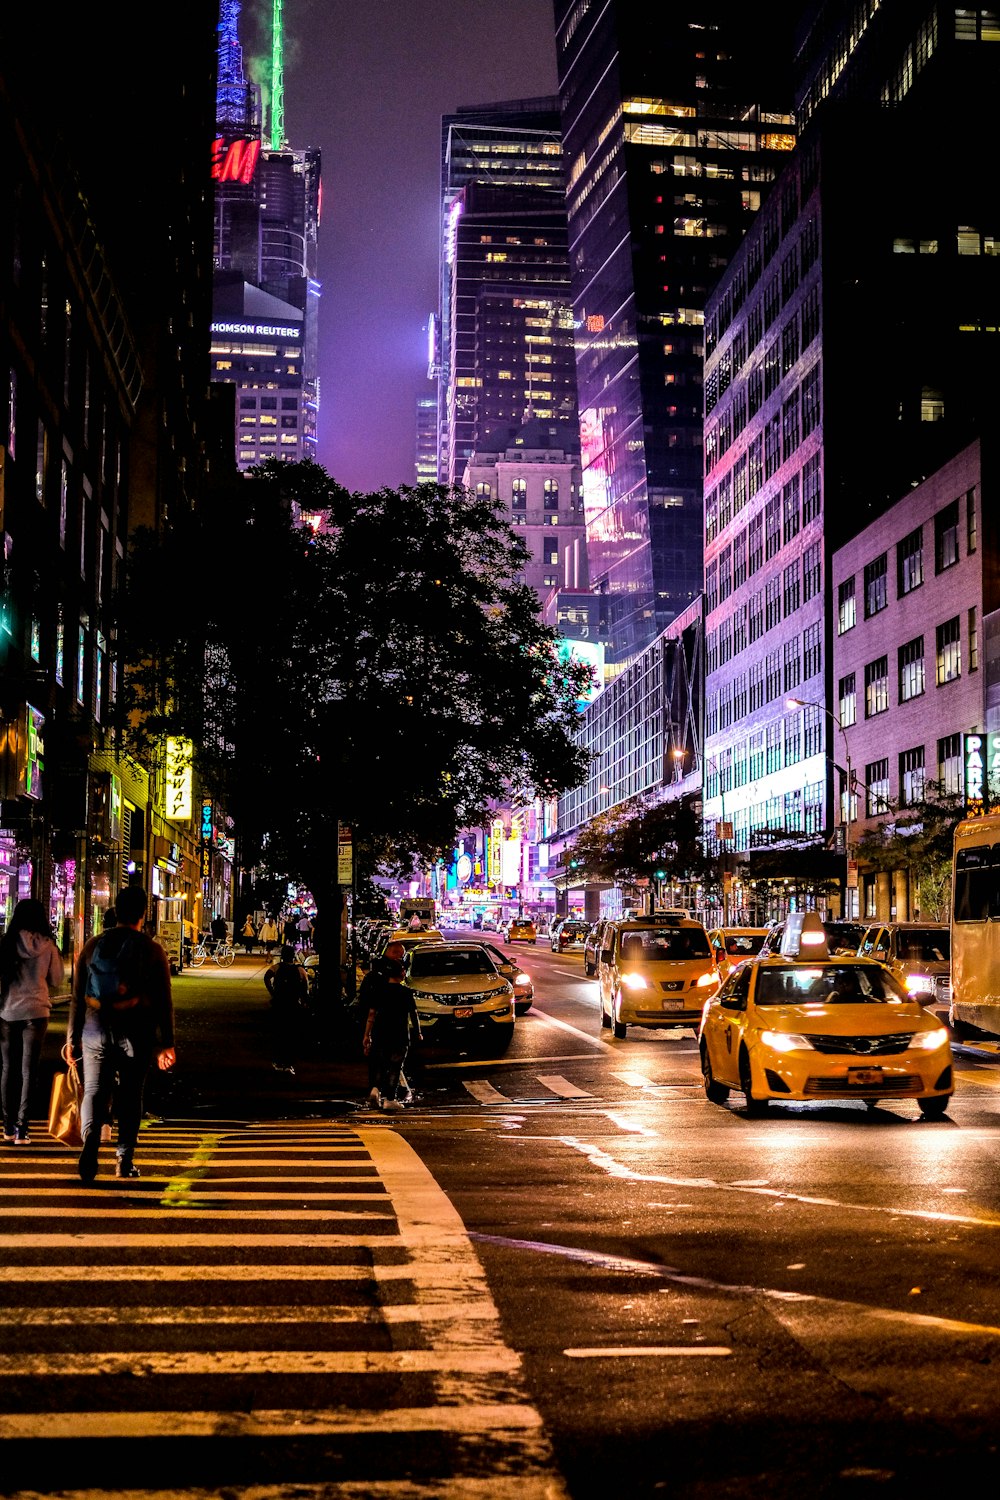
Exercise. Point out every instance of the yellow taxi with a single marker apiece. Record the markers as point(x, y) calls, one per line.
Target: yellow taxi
point(655, 972)
point(732, 946)
point(521, 930)
point(801, 1025)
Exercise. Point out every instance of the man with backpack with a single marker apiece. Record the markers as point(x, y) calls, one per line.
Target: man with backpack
point(121, 1000)
point(289, 991)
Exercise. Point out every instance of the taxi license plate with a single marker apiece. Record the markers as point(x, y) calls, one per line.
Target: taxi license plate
point(673, 1005)
point(865, 1077)
point(463, 1012)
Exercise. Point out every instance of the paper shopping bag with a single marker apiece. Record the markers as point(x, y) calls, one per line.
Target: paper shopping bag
point(64, 1106)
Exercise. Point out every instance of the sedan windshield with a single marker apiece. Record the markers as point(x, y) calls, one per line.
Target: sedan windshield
point(743, 944)
point(924, 945)
point(444, 963)
point(834, 984)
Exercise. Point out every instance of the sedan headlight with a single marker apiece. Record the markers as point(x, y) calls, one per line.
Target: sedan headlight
point(929, 1041)
point(633, 981)
point(523, 980)
point(916, 983)
point(785, 1041)
point(709, 978)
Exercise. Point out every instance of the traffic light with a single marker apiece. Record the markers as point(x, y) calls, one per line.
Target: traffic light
point(574, 864)
point(660, 874)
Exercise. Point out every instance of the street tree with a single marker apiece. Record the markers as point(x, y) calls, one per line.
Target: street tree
point(368, 659)
point(918, 839)
point(644, 840)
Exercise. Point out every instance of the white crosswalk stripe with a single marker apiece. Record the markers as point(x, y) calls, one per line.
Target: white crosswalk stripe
point(267, 1288)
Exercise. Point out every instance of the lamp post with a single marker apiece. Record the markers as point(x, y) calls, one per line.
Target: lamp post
point(846, 807)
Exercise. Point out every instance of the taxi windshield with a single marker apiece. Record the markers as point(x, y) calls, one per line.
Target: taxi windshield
point(833, 984)
point(655, 944)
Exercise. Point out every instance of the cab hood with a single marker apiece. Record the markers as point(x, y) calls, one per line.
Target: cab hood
point(847, 1020)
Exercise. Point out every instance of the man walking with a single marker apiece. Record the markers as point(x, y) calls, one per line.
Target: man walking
point(121, 1000)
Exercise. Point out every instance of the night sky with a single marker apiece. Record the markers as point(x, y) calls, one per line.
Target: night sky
point(368, 85)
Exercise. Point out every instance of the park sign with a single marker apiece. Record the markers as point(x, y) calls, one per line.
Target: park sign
point(981, 764)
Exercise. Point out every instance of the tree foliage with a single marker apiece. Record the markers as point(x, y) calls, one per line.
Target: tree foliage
point(643, 839)
point(367, 659)
point(919, 840)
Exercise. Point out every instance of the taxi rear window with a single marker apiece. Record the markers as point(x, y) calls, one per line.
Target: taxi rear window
point(655, 944)
point(843, 984)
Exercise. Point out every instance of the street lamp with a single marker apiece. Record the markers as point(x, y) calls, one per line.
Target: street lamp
point(846, 806)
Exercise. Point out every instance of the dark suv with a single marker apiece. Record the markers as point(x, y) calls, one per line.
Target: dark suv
point(569, 936)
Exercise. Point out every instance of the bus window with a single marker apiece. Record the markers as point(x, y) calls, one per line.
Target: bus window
point(977, 884)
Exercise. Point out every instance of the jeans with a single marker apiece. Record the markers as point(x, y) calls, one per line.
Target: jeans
point(20, 1049)
point(114, 1061)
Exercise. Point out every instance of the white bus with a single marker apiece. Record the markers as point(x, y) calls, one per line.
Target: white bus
point(975, 927)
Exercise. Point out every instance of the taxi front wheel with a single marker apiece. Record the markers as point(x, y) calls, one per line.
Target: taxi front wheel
point(935, 1108)
point(718, 1093)
point(755, 1106)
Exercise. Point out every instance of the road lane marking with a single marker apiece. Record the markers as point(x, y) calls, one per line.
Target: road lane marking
point(146, 1209)
point(633, 1127)
point(300, 1422)
point(634, 1080)
point(544, 1019)
point(987, 1080)
point(704, 1283)
point(508, 1062)
point(467, 1359)
point(484, 1092)
point(563, 1087)
point(257, 1315)
point(600, 1158)
point(706, 1351)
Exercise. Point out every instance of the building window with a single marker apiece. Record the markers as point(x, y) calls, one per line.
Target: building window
point(739, 558)
point(790, 508)
point(973, 641)
point(550, 494)
point(910, 562)
point(790, 426)
point(793, 665)
point(877, 788)
point(792, 589)
point(811, 572)
point(847, 606)
point(810, 402)
point(755, 544)
point(772, 603)
point(911, 669)
point(948, 660)
point(810, 489)
point(519, 494)
point(876, 687)
point(949, 767)
point(876, 586)
point(813, 729)
point(911, 777)
point(970, 522)
point(946, 537)
point(772, 526)
point(848, 700)
point(484, 490)
point(811, 650)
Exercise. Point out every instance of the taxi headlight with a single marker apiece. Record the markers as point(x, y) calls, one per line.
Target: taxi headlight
point(633, 981)
point(917, 982)
point(931, 1040)
point(785, 1041)
point(709, 978)
point(522, 979)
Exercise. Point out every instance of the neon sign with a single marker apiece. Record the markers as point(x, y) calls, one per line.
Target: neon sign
point(234, 161)
point(260, 330)
point(178, 779)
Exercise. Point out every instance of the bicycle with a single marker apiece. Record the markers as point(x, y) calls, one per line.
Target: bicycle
point(222, 951)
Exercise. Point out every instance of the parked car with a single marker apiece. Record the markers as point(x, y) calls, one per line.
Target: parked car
point(521, 930)
point(656, 972)
point(808, 1025)
point(734, 945)
point(592, 946)
point(918, 953)
point(569, 936)
point(460, 995)
point(524, 988)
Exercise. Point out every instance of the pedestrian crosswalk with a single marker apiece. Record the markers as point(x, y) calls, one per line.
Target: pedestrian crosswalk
point(268, 1309)
point(528, 1087)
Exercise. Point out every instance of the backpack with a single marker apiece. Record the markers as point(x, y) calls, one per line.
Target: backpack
point(114, 969)
point(286, 986)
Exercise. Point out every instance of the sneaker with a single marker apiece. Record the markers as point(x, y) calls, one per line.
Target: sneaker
point(374, 1099)
point(393, 1104)
point(125, 1168)
point(88, 1156)
point(22, 1138)
point(105, 1135)
point(8, 1136)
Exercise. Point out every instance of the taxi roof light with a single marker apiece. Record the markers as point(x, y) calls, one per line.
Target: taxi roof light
point(804, 929)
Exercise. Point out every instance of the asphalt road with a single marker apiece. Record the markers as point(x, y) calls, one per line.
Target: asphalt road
point(562, 1271)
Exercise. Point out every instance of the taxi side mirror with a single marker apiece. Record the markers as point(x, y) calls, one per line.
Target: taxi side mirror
point(733, 1002)
point(606, 955)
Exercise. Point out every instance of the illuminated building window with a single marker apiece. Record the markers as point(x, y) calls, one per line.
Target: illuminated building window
point(289, 438)
point(268, 421)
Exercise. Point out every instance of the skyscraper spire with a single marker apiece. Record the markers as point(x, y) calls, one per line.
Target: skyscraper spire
point(277, 75)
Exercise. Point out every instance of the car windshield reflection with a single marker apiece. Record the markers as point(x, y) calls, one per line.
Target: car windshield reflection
point(442, 964)
point(835, 984)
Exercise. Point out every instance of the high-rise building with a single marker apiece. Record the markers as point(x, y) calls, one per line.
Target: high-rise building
point(850, 353)
point(675, 120)
point(425, 463)
point(266, 293)
point(505, 333)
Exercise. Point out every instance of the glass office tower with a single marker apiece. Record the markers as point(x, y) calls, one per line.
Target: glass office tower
point(674, 121)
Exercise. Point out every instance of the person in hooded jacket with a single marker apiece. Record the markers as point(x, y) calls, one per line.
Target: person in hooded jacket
point(31, 968)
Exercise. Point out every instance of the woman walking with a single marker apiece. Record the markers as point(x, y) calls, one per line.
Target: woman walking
point(249, 934)
point(30, 969)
